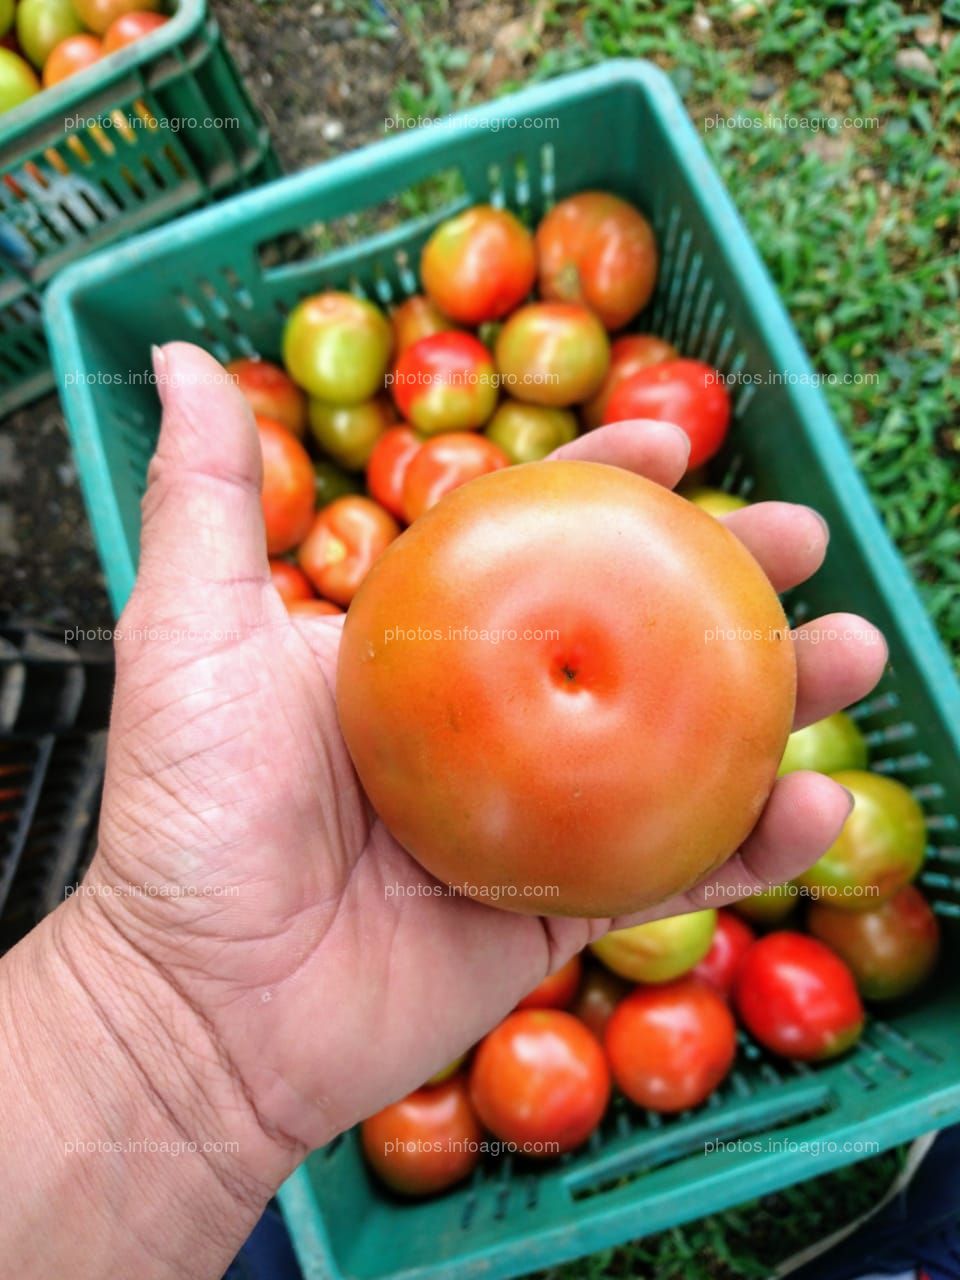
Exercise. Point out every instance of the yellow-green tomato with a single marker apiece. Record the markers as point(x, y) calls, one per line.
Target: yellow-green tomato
point(879, 850)
point(337, 346)
point(770, 906)
point(716, 502)
point(7, 10)
point(348, 432)
point(658, 951)
point(43, 24)
point(446, 1072)
point(528, 432)
point(18, 81)
point(827, 746)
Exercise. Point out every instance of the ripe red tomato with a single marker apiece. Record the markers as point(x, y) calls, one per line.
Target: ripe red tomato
point(891, 950)
point(660, 950)
point(337, 346)
point(670, 1046)
point(528, 432)
point(349, 432)
point(443, 464)
point(446, 382)
point(342, 544)
point(128, 29)
point(74, 54)
point(98, 15)
point(557, 990)
point(731, 939)
point(414, 319)
point(879, 850)
point(292, 583)
point(798, 998)
point(268, 390)
point(552, 353)
point(597, 249)
point(684, 392)
point(504, 735)
point(628, 355)
point(600, 993)
point(313, 608)
point(479, 265)
point(387, 468)
point(426, 1142)
point(540, 1082)
point(288, 486)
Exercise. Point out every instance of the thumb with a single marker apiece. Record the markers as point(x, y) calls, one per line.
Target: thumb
point(202, 545)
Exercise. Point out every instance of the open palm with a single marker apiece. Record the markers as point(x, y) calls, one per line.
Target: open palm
point(237, 849)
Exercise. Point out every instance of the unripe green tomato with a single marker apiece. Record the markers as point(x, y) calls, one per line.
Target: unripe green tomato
point(349, 432)
point(43, 24)
point(827, 746)
point(528, 432)
point(879, 850)
point(7, 13)
point(18, 81)
point(337, 346)
point(770, 906)
point(332, 482)
point(658, 951)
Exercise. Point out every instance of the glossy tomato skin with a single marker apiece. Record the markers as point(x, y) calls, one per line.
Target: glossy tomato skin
point(337, 346)
point(270, 392)
point(426, 1142)
point(292, 583)
point(313, 608)
point(880, 849)
point(349, 433)
point(415, 318)
point(670, 1046)
point(98, 15)
point(479, 265)
point(556, 991)
point(659, 951)
point(600, 993)
point(552, 353)
point(827, 746)
point(528, 432)
point(343, 543)
point(597, 249)
point(387, 467)
point(42, 25)
point(540, 1081)
point(74, 54)
point(129, 28)
point(512, 762)
point(891, 950)
point(730, 941)
point(687, 393)
point(445, 382)
point(798, 998)
point(444, 463)
point(714, 501)
point(628, 355)
point(287, 495)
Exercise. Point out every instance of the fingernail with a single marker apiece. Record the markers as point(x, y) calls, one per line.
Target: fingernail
point(158, 356)
point(822, 522)
point(851, 797)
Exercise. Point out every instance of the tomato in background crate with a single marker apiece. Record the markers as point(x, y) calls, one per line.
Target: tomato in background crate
point(344, 541)
point(349, 433)
point(479, 266)
point(129, 28)
point(292, 583)
point(600, 993)
point(443, 464)
point(552, 353)
point(270, 392)
point(336, 347)
point(528, 432)
point(415, 318)
point(445, 382)
point(827, 746)
point(659, 950)
point(688, 393)
point(557, 990)
point(426, 1142)
point(98, 15)
point(287, 496)
point(628, 355)
point(729, 944)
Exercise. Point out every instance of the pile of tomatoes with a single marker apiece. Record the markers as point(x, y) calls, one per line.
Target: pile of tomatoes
point(653, 1011)
point(42, 42)
point(505, 356)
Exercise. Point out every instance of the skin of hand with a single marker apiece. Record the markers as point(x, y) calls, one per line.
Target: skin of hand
point(233, 971)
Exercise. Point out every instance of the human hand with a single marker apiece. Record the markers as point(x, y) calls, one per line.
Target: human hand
point(239, 858)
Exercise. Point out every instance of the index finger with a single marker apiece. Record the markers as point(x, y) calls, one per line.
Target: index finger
point(659, 452)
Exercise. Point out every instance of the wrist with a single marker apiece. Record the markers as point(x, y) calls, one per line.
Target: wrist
point(132, 1149)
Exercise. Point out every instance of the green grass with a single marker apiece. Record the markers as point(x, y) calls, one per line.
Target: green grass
point(859, 226)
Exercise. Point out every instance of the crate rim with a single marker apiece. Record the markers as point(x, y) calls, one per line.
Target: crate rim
point(39, 110)
point(65, 295)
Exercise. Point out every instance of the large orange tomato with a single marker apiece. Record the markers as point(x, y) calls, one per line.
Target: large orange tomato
point(567, 690)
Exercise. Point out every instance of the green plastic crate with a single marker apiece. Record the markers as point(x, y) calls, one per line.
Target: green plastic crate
point(159, 128)
point(209, 278)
